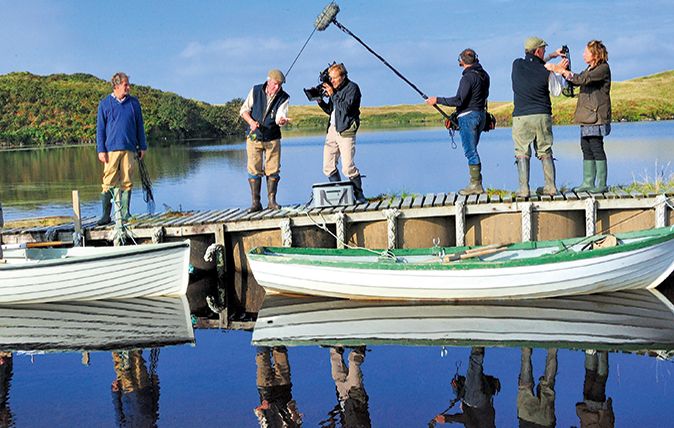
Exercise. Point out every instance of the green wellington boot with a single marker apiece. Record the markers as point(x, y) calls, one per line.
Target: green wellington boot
point(549, 175)
point(106, 207)
point(523, 173)
point(602, 175)
point(125, 201)
point(589, 172)
point(475, 186)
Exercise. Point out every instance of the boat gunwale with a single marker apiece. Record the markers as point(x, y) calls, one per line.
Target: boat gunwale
point(275, 255)
point(133, 251)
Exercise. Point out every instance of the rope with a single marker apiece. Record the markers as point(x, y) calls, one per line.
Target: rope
point(148, 197)
point(606, 230)
point(385, 253)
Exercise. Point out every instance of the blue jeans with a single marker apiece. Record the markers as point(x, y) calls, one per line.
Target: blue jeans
point(471, 125)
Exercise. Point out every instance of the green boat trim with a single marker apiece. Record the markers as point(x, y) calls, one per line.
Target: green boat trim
point(651, 237)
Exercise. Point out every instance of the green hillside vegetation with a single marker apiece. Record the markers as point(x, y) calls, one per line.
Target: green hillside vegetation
point(632, 100)
point(61, 109)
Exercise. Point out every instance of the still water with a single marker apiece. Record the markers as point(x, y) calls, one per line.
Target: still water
point(356, 364)
point(39, 182)
point(591, 357)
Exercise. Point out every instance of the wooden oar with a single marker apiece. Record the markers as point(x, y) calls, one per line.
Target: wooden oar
point(35, 245)
point(479, 252)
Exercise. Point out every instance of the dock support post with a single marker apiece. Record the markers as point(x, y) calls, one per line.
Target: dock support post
point(340, 229)
point(661, 211)
point(392, 227)
point(590, 216)
point(78, 238)
point(286, 233)
point(460, 214)
point(527, 209)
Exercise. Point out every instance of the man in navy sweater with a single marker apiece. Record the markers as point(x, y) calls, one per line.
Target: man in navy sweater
point(471, 103)
point(533, 82)
point(120, 133)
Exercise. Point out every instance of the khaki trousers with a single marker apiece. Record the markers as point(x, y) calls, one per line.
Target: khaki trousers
point(117, 172)
point(337, 146)
point(533, 128)
point(270, 151)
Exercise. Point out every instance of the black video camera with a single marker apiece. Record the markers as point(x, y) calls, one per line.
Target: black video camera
point(568, 90)
point(317, 92)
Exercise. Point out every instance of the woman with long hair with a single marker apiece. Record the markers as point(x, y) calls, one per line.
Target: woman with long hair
point(593, 114)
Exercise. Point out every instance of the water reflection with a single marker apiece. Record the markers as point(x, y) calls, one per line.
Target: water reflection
point(277, 407)
point(135, 390)
point(351, 409)
point(536, 408)
point(476, 393)
point(595, 410)
point(6, 363)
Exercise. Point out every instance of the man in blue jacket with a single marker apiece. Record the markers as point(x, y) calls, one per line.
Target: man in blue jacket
point(471, 104)
point(120, 134)
point(343, 107)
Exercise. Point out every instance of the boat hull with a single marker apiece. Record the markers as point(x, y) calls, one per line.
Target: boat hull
point(93, 273)
point(639, 268)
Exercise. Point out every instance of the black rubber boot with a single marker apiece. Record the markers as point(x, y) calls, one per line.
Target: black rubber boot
point(358, 189)
point(255, 187)
point(106, 206)
point(334, 177)
point(272, 186)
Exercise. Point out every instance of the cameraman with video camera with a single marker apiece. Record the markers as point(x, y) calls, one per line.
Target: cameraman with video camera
point(343, 106)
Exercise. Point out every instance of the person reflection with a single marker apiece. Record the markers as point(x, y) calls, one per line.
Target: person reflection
point(537, 409)
point(135, 390)
point(352, 400)
point(595, 410)
point(6, 364)
point(477, 397)
point(277, 407)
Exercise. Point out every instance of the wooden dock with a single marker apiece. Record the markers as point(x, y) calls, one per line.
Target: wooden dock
point(411, 222)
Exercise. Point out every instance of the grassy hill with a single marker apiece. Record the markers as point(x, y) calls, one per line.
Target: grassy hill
point(61, 109)
point(632, 100)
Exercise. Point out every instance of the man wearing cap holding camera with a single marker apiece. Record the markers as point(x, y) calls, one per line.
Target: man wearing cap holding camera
point(533, 81)
point(265, 110)
point(343, 107)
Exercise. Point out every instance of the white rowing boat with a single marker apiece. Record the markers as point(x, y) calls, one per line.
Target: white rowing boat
point(640, 260)
point(39, 275)
point(96, 325)
point(626, 320)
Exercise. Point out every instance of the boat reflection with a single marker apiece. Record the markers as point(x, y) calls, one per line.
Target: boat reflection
point(95, 325)
point(630, 320)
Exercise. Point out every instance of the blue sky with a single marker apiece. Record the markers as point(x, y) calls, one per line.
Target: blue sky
point(215, 50)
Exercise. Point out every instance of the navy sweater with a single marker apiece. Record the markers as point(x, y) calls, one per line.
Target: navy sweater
point(119, 126)
point(530, 86)
point(473, 90)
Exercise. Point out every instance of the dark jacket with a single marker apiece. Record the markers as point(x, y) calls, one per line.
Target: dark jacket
point(594, 100)
point(346, 103)
point(473, 90)
point(530, 86)
point(268, 130)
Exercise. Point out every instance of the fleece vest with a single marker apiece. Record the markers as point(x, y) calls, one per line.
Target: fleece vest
point(268, 129)
point(530, 86)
